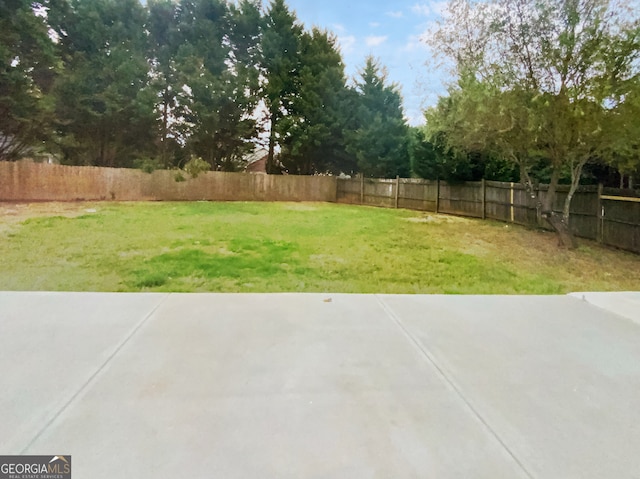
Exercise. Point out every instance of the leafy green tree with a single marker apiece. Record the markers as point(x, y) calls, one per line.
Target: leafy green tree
point(538, 80)
point(485, 126)
point(623, 131)
point(27, 68)
point(380, 140)
point(104, 108)
point(281, 43)
point(313, 133)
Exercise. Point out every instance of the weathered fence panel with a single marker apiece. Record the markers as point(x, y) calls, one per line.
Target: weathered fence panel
point(379, 192)
point(498, 201)
point(621, 219)
point(463, 199)
point(24, 181)
point(348, 190)
point(417, 194)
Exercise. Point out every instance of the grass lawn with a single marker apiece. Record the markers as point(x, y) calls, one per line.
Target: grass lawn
point(270, 247)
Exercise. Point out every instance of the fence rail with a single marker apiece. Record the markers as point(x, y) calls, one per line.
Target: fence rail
point(607, 215)
point(612, 219)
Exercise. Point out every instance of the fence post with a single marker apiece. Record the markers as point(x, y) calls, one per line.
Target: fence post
point(362, 188)
point(397, 189)
point(599, 216)
point(538, 207)
point(425, 198)
point(512, 209)
point(484, 199)
point(438, 195)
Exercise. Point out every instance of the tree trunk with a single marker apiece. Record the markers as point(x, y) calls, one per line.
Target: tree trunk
point(559, 224)
point(561, 227)
point(550, 197)
point(270, 166)
point(165, 131)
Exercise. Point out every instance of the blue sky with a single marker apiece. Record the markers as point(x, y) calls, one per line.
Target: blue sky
point(390, 31)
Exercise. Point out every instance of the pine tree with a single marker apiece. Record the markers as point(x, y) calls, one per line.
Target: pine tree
point(281, 41)
point(104, 108)
point(219, 93)
point(380, 140)
point(164, 41)
point(312, 134)
point(27, 61)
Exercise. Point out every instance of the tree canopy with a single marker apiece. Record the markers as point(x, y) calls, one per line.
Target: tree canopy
point(160, 83)
point(27, 67)
point(542, 89)
point(549, 81)
point(380, 139)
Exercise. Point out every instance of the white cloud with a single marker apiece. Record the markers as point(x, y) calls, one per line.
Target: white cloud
point(421, 9)
point(374, 41)
point(346, 43)
point(338, 27)
point(415, 42)
point(397, 14)
point(374, 24)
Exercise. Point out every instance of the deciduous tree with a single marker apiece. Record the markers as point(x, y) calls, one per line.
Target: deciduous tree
point(538, 80)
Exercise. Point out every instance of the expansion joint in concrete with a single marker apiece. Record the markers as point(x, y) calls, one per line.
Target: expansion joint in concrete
point(430, 358)
point(93, 376)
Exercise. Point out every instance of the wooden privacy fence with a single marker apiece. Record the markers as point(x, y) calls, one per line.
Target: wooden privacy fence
point(25, 181)
point(609, 216)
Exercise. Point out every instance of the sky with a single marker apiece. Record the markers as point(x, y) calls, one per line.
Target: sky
point(390, 31)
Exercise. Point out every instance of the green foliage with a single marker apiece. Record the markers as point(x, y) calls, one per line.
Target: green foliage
point(146, 164)
point(164, 41)
point(313, 133)
point(217, 87)
point(195, 166)
point(104, 108)
point(380, 140)
point(547, 81)
point(426, 159)
point(280, 62)
point(125, 83)
point(27, 69)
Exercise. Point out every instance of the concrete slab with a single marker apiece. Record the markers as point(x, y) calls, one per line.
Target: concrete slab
point(622, 303)
point(363, 386)
point(555, 378)
point(51, 344)
point(273, 386)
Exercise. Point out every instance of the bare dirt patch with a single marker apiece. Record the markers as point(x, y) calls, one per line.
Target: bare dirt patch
point(437, 219)
point(299, 207)
point(12, 214)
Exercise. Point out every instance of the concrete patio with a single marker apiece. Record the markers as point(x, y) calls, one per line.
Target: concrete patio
point(323, 385)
